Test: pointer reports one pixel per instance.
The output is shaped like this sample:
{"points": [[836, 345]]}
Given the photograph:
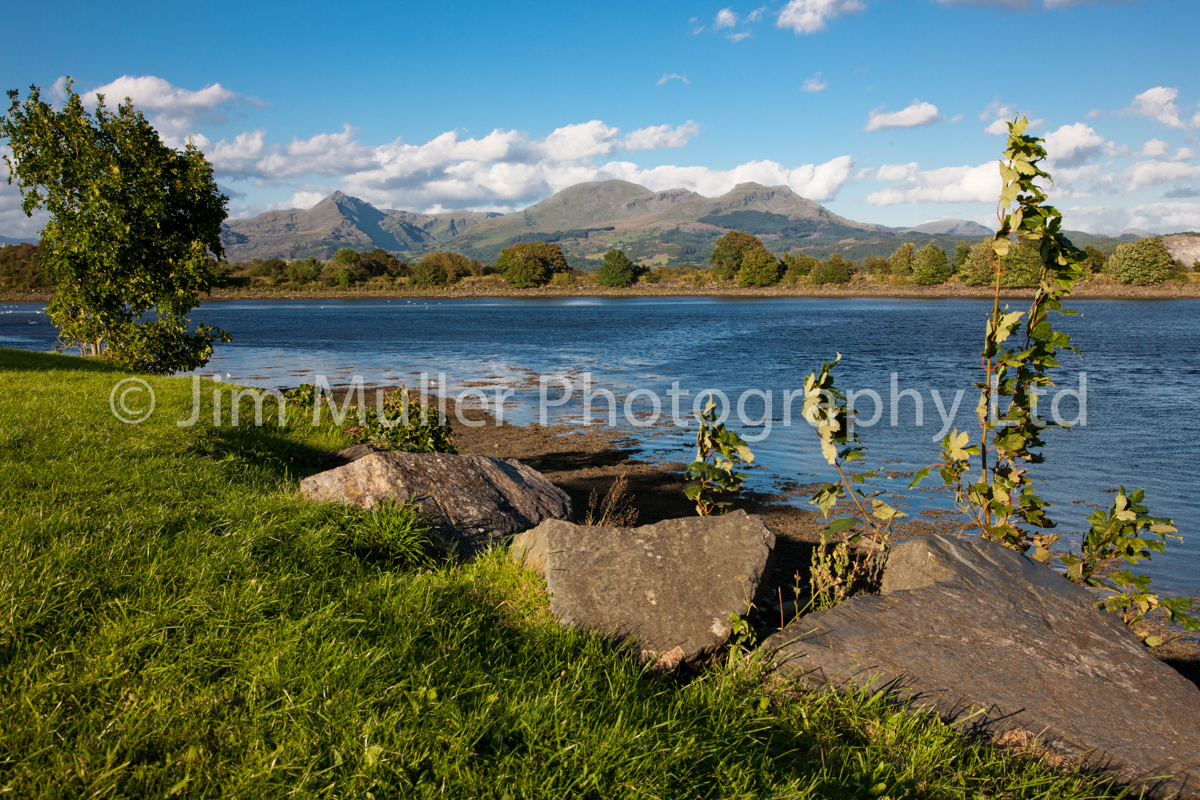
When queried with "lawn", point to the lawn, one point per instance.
{"points": [[176, 621]]}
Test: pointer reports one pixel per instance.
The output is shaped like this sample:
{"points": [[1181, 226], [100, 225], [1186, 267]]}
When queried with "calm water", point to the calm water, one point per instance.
{"points": [[1141, 359]]}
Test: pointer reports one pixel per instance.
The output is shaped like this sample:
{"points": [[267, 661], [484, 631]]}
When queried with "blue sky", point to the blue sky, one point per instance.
{"points": [[877, 108]]}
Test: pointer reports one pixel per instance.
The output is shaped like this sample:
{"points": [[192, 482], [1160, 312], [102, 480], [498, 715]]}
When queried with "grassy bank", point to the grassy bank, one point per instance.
{"points": [[175, 621]]}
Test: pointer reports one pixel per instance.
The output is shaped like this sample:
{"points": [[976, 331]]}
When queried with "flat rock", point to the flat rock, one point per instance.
{"points": [[966, 625], [670, 587], [474, 500]]}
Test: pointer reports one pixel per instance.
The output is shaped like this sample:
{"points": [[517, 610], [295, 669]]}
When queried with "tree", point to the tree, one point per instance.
{"points": [[531, 263], [1021, 266], [1095, 260], [455, 266], [133, 228], [303, 270], [962, 252], [877, 265], [727, 255], [797, 265], [930, 267], [20, 267], [902, 260], [617, 269], [380, 262], [1141, 263], [834, 269], [759, 268]]}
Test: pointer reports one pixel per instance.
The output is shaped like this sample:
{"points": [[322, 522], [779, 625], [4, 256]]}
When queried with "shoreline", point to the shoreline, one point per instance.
{"points": [[582, 461], [862, 289]]}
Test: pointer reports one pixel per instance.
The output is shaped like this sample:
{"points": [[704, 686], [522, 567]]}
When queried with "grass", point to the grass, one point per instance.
{"points": [[176, 621]]}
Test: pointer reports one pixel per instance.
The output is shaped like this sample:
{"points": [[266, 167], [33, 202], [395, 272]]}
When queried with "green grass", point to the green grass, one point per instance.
{"points": [[175, 621]]}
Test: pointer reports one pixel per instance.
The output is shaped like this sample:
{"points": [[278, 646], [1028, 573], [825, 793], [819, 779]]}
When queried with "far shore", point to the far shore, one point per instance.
{"points": [[490, 287]]}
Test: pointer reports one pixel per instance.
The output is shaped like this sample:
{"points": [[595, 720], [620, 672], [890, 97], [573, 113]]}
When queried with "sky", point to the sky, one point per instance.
{"points": [[885, 111]]}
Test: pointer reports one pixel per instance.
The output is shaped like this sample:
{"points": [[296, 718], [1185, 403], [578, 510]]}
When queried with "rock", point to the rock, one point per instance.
{"points": [[474, 500], [670, 587], [966, 624], [350, 454]]}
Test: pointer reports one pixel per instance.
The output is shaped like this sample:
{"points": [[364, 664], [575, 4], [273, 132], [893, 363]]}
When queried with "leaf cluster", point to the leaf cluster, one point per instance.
{"points": [[405, 425], [718, 451]]}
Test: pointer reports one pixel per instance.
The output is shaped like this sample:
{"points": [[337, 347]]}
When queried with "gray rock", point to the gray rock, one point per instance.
{"points": [[966, 626], [670, 587], [474, 500]]}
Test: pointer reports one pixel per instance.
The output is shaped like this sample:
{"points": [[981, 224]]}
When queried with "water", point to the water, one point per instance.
{"points": [[1141, 359]]}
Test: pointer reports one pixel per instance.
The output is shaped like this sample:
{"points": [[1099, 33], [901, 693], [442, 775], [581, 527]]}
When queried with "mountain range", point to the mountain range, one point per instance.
{"points": [[586, 220]]}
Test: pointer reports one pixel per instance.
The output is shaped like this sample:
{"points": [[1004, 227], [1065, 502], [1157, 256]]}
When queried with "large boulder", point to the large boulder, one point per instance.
{"points": [[668, 588], [981, 634], [474, 500]]}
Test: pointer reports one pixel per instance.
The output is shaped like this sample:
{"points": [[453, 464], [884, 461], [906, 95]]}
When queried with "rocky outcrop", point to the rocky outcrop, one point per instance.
{"points": [[974, 630], [668, 589], [1184, 246], [474, 500]]}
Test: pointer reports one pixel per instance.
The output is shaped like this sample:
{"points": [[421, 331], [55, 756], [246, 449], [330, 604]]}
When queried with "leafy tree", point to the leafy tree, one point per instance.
{"points": [[1021, 266], [834, 269], [962, 252], [20, 267], [455, 266], [876, 265], [617, 269], [1141, 263], [380, 262], [1094, 261], [303, 270], [531, 263], [730, 249], [759, 268], [132, 226], [272, 268], [347, 257], [930, 267], [902, 260], [797, 265]]}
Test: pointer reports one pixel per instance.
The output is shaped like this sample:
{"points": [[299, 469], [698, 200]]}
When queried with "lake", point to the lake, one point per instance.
{"points": [[1140, 372]]}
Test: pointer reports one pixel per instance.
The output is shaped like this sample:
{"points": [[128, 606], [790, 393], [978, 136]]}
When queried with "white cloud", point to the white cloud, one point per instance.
{"points": [[671, 76], [911, 184], [175, 112], [1158, 104], [13, 221], [997, 128], [814, 84], [657, 137], [726, 18], [995, 110], [757, 14], [1073, 145], [811, 16], [1158, 217], [1155, 148], [1146, 174], [502, 171], [819, 182], [740, 35], [1030, 5], [581, 140], [917, 115]]}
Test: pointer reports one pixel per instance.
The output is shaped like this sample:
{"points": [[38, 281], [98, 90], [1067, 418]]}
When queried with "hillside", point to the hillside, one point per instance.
{"points": [[586, 220], [341, 221]]}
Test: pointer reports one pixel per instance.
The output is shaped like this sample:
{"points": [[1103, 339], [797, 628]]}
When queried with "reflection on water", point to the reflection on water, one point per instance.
{"points": [[1141, 358]]}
